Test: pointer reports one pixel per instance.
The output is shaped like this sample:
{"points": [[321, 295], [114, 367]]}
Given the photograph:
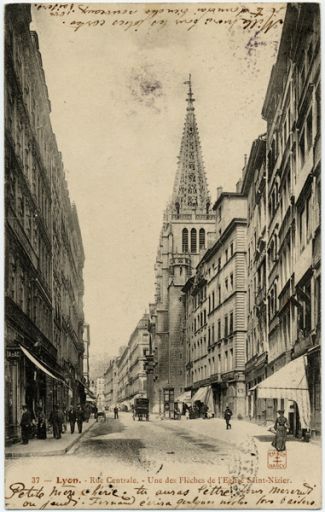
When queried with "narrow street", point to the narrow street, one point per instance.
{"points": [[142, 444], [160, 458]]}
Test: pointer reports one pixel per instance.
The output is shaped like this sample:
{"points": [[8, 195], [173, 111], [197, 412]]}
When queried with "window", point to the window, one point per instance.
{"points": [[212, 334], [193, 240], [213, 300], [219, 294], [302, 228], [202, 238], [231, 323], [226, 326], [231, 249], [302, 147], [309, 129], [226, 361], [185, 240], [219, 264], [219, 213], [226, 283], [231, 281], [308, 218], [219, 329], [226, 254]]}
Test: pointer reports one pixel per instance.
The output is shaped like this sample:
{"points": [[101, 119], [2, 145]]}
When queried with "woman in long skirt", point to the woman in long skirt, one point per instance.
{"points": [[280, 428]]}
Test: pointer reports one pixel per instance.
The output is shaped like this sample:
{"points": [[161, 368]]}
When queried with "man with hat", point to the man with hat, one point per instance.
{"points": [[227, 416], [25, 424]]}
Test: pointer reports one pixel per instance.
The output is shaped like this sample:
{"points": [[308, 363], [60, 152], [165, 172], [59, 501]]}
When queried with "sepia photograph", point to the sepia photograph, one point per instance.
{"points": [[162, 276]]}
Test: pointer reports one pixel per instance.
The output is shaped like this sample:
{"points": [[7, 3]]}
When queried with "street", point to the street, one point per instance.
{"points": [[129, 458], [142, 444]]}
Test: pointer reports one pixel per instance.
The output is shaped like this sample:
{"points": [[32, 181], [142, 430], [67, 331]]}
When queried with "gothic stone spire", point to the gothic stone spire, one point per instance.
{"points": [[190, 188]]}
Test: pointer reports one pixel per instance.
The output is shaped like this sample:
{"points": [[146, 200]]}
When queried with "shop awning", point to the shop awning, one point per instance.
{"points": [[289, 383], [38, 364], [184, 397], [201, 394]]}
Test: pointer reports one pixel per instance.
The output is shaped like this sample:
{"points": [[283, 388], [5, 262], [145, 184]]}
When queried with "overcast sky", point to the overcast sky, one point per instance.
{"points": [[118, 109]]}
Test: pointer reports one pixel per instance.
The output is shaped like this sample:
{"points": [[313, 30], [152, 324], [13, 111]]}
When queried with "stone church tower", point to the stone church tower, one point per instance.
{"points": [[188, 225]]}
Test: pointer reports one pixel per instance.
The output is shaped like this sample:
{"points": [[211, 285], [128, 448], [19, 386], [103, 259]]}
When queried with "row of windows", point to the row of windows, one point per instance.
{"points": [[22, 290], [216, 365], [193, 240]]}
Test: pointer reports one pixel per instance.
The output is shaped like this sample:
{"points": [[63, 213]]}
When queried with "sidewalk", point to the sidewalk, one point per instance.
{"points": [[242, 431], [47, 447]]}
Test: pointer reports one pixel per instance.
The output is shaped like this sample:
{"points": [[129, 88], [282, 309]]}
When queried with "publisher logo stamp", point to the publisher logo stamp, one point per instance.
{"points": [[276, 460]]}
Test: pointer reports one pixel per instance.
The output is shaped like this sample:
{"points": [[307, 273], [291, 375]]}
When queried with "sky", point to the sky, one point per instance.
{"points": [[118, 110]]}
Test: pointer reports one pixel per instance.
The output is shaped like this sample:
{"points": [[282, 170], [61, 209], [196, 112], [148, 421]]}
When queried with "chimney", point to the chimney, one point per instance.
{"points": [[219, 191], [239, 185]]}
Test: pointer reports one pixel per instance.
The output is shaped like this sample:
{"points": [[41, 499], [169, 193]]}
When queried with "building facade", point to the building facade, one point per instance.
{"points": [[86, 340], [282, 186], [255, 189], [292, 112], [216, 326], [187, 227], [100, 393], [43, 255], [132, 374], [111, 383]]}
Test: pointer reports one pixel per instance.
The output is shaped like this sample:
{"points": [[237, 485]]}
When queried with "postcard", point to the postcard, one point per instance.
{"points": [[162, 256]]}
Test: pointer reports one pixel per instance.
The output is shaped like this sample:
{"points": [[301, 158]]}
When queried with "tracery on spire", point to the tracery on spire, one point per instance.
{"points": [[190, 190]]}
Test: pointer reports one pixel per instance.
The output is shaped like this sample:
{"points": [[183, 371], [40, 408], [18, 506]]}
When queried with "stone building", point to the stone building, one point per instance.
{"points": [[187, 226], [292, 187], [132, 375], [215, 299], [255, 188], [111, 383], [43, 254], [86, 340]]}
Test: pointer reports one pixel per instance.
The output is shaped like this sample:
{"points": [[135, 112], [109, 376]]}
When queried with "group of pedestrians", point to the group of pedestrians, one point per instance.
{"points": [[37, 427]]}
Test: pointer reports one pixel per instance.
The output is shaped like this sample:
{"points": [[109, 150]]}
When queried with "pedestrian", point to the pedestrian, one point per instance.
{"points": [[80, 418], [61, 421], [72, 418], [56, 422], [41, 426], [227, 416], [115, 413], [280, 427], [25, 424], [87, 414]]}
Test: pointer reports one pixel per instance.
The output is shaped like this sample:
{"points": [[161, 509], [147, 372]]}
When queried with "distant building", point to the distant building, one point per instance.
{"points": [[111, 383], [131, 366], [86, 340], [100, 393]]}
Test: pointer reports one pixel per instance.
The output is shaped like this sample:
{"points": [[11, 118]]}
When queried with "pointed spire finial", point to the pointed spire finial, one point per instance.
{"points": [[189, 98]]}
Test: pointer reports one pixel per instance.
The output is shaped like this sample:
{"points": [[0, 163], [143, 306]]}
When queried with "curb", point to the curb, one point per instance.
{"points": [[12, 455]]}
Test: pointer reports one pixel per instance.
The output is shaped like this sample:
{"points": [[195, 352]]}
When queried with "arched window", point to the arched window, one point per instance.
{"points": [[193, 240], [185, 240], [202, 238]]}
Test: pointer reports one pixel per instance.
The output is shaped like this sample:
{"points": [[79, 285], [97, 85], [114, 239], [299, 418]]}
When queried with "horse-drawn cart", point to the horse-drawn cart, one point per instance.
{"points": [[141, 409]]}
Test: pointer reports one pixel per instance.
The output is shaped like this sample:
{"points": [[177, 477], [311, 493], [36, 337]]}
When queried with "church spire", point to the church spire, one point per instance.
{"points": [[190, 190]]}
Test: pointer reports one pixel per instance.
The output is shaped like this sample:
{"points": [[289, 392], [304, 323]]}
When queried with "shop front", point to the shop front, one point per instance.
{"points": [[288, 389], [29, 381]]}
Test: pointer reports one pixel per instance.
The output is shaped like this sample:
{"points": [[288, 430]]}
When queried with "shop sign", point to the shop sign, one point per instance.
{"points": [[13, 353]]}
